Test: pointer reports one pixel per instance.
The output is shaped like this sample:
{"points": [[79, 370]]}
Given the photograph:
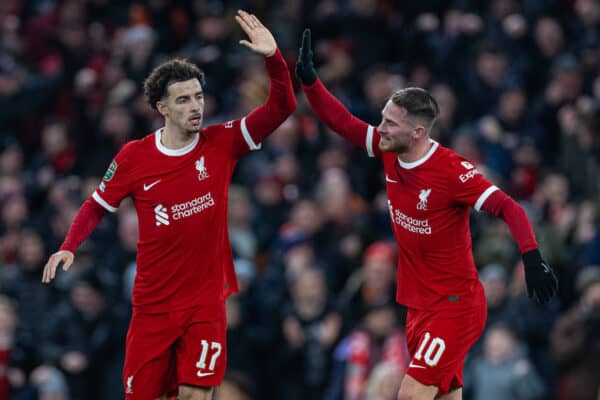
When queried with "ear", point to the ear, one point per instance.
{"points": [[419, 131], [162, 108]]}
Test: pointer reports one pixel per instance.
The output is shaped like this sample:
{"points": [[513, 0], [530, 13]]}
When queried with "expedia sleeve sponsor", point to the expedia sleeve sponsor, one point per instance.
{"points": [[468, 175], [194, 206]]}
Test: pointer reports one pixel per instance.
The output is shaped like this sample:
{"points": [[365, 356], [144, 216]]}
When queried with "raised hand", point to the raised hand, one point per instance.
{"points": [[261, 39], [539, 276], [305, 69], [64, 256]]}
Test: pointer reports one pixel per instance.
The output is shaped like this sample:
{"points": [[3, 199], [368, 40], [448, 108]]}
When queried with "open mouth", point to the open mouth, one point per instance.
{"points": [[196, 120]]}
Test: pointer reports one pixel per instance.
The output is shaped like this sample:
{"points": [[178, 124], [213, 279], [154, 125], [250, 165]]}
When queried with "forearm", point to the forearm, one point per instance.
{"points": [[502, 206], [83, 225], [280, 104], [335, 115]]}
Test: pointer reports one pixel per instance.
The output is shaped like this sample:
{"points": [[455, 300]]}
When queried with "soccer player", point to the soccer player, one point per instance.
{"points": [[430, 191], [178, 178]]}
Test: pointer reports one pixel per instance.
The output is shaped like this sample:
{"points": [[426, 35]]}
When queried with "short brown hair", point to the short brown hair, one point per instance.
{"points": [[176, 70], [418, 104]]}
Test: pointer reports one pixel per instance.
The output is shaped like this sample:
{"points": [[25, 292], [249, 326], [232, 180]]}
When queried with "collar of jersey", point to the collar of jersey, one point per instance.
{"points": [[173, 152], [415, 164]]}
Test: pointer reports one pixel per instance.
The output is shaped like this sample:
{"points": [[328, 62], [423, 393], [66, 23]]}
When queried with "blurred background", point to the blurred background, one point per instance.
{"points": [[518, 83]]}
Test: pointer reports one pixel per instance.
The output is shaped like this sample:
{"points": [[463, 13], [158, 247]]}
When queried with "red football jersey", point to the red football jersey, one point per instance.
{"points": [[184, 257], [429, 202]]}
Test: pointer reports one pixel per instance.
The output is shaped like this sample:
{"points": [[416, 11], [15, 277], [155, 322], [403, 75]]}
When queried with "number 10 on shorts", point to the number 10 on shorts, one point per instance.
{"points": [[215, 349], [435, 349]]}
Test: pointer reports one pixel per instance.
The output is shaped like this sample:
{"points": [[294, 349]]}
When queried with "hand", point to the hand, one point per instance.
{"points": [[261, 40], [305, 69], [539, 276], [63, 256]]}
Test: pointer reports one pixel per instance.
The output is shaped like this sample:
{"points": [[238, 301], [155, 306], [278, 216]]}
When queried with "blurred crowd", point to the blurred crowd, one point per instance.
{"points": [[518, 83]]}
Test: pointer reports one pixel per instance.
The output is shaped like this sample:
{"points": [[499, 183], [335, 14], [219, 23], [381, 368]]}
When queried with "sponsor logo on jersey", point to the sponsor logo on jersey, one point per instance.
{"points": [[413, 365], [203, 374], [228, 124], [467, 165], [194, 206], [110, 172], [390, 180], [423, 195], [201, 168], [102, 187], [469, 175], [148, 187], [183, 210], [414, 225], [160, 213], [129, 388]]}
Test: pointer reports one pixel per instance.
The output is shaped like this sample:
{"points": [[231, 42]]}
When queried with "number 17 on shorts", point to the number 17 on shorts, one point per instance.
{"points": [[210, 352]]}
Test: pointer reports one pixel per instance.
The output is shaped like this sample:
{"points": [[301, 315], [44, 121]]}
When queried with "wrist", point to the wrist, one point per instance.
{"points": [[271, 53], [532, 256]]}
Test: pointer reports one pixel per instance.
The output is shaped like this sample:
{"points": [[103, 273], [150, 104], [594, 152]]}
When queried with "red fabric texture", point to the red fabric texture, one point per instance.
{"points": [[335, 115], [280, 104], [503, 206], [85, 221]]}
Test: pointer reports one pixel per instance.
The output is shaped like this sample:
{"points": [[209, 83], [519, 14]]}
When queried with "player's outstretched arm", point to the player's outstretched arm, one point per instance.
{"points": [[329, 109], [281, 101], [87, 218], [541, 281]]}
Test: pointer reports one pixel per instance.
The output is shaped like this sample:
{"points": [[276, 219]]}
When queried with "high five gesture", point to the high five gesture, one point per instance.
{"points": [[261, 39]]}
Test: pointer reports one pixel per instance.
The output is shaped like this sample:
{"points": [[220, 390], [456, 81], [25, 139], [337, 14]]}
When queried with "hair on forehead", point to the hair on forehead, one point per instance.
{"points": [[417, 102], [167, 73]]}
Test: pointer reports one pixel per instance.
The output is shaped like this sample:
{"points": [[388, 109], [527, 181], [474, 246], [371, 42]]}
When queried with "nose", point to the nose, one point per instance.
{"points": [[197, 104], [380, 128]]}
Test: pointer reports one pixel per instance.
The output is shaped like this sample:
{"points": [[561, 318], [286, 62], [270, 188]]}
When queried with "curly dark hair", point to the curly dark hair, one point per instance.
{"points": [[176, 70]]}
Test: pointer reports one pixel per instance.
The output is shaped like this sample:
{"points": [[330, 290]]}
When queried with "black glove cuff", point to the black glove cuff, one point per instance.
{"points": [[307, 75], [532, 257]]}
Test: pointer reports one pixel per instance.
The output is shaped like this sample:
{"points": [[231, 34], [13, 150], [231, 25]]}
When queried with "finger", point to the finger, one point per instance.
{"points": [[243, 24], [255, 22], [67, 263], [48, 269], [247, 18], [544, 295], [54, 268], [247, 44], [306, 43], [45, 273]]}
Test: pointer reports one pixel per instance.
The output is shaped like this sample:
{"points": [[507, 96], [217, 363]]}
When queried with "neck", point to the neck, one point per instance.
{"points": [[173, 138], [417, 151]]}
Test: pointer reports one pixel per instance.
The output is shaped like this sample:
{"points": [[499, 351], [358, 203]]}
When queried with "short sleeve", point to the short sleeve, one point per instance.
{"points": [[468, 186], [115, 183]]}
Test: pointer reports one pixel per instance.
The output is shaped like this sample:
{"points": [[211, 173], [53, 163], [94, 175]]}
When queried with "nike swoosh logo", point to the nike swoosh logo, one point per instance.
{"points": [[411, 365], [202, 374], [387, 179], [148, 187]]}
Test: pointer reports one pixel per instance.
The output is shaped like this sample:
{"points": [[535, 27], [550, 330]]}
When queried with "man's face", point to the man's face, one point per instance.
{"points": [[184, 104], [396, 131]]}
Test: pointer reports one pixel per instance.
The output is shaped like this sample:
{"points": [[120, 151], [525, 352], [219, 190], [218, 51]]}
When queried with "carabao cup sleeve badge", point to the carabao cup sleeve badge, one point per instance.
{"points": [[110, 172]]}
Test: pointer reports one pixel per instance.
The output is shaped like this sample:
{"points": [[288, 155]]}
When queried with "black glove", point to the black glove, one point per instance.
{"points": [[541, 281], [305, 69]]}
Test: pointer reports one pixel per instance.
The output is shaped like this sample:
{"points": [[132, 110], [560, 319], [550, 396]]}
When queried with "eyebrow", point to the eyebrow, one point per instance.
{"points": [[185, 96]]}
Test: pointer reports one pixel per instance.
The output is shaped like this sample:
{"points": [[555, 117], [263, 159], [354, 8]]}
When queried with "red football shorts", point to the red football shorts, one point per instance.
{"points": [[438, 342], [168, 349]]}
